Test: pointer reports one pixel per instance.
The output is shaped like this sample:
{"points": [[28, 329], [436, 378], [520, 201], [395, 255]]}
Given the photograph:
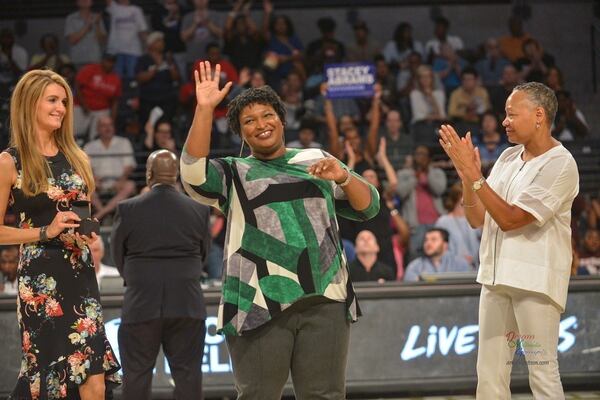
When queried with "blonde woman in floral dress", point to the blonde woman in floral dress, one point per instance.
{"points": [[65, 351]]}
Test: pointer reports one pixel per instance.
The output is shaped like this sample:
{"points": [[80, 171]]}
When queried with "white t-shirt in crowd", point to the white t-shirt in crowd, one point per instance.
{"points": [[126, 23], [108, 163], [434, 44], [536, 257], [87, 50]]}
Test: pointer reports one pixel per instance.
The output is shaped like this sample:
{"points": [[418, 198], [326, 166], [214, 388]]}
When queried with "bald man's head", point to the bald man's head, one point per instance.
{"points": [[161, 167]]}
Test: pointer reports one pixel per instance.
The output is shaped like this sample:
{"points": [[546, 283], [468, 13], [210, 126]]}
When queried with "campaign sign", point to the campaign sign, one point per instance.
{"points": [[350, 80]]}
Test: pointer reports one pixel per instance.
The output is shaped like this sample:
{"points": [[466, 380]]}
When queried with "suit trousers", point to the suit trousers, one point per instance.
{"points": [[522, 323], [182, 340], [312, 343]]}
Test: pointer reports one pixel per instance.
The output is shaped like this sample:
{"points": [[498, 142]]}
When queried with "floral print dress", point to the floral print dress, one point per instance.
{"points": [[58, 305]]}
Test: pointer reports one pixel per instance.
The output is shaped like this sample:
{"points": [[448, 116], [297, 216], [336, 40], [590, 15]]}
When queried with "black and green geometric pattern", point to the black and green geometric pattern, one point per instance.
{"points": [[282, 240]]}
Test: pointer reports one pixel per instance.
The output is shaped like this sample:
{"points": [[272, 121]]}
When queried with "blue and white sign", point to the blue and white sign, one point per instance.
{"points": [[350, 80]]}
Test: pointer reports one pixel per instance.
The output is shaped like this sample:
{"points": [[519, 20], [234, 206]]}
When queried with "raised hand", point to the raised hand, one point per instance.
{"points": [[381, 150], [208, 94]]}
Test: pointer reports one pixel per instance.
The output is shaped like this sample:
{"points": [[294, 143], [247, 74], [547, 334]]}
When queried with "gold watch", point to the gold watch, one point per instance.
{"points": [[478, 184]]}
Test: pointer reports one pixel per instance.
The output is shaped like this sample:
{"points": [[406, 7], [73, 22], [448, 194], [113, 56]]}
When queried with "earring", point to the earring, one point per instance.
{"points": [[537, 125]]}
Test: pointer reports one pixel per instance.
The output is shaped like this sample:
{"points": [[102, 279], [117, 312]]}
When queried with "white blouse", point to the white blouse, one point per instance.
{"points": [[536, 257]]}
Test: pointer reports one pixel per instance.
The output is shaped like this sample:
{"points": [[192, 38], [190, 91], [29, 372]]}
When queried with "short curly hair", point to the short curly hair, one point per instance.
{"points": [[261, 95]]}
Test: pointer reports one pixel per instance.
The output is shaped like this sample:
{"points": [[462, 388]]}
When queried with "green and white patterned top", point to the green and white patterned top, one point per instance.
{"points": [[282, 243]]}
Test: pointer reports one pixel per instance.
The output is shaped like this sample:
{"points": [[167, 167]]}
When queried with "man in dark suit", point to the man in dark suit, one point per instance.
{"points": [[159, 243]]}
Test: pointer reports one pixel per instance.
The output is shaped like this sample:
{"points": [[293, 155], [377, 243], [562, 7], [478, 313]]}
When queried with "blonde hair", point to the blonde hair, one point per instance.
{"points": [[23, 110]]}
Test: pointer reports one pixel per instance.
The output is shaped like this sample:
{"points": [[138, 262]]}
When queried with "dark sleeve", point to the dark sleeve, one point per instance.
{"points": [[386, 272], [118, 239], [206, 243]]}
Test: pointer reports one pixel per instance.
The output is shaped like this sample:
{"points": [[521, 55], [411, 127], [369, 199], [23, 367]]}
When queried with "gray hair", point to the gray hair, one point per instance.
{"points": [[542, 96]]}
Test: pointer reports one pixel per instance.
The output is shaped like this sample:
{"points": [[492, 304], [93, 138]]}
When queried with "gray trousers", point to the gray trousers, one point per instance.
{"points": [[311, 342]]}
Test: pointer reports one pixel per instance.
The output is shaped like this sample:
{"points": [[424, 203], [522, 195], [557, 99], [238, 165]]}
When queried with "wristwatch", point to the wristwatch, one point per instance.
{"points": [[478, 184]]}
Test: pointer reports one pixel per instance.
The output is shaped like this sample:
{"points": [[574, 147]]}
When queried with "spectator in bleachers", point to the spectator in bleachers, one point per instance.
{"points": [[127, 32], [570, 123], [244, 42], [326, 49], [102, 270], [160, 136], [433, 47], [167, 18], [387, 80], [157, 75], [420, 188], [448, 66], [399, 144], [97, 92], [511, 46], [407, 77], [9, 263], [589, 254], [51, 57], [437, 258], [69, 72], [499, 94], [367, 266], [490, 143], [491, 66], [199, 28], [470, 100], [463, 240], [84, 30], [364, 47], [306, 136], [534, 64], [13, 61], [112, 163], [397, 50], [292, 97], [247, 78], [284, 50], [427, 103], [554, 79]]}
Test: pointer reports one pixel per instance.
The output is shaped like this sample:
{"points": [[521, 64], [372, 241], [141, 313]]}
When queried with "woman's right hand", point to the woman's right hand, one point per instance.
{"points": [[208, 94], [62, 220]]}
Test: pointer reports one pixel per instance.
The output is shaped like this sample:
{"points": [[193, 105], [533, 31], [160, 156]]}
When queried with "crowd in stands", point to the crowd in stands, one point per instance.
{"points": [[131, 74]]}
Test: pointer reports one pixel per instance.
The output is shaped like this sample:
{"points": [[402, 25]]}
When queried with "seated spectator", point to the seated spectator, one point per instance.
{"points": [[434, 46], [420, 189], [387, 81], [128, 30], [13, 61], [437, 259], [244, 42], [589, 255], [491, 67], [364, 48], [69, 72], [570, 123], [160, 136], [293, 99], [511, 46], [324, 49], [463, 240], [448, 66], [102, 270], [554, 79], [490, 143], [112, 163], [9, 263], [427, 103], [84, 30], [407, 77], [284, 50], [97, 92], [470, 100], [306, 136], [366, 266], [499, 94], [51, 57], [534, 65], [397, 50], [157, 75], [167, 18], [247, 78]]}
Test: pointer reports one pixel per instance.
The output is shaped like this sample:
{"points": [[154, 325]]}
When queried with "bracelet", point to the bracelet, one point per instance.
{"points": [[468, 205], [394, 212], [44, 234], [347, 180]]}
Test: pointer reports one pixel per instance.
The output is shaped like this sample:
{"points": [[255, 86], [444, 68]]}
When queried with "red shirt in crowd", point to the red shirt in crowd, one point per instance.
{"points": [[98, 88]]}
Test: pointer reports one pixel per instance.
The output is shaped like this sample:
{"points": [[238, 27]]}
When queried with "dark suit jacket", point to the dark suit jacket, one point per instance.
{"points": [[159, 242]]}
